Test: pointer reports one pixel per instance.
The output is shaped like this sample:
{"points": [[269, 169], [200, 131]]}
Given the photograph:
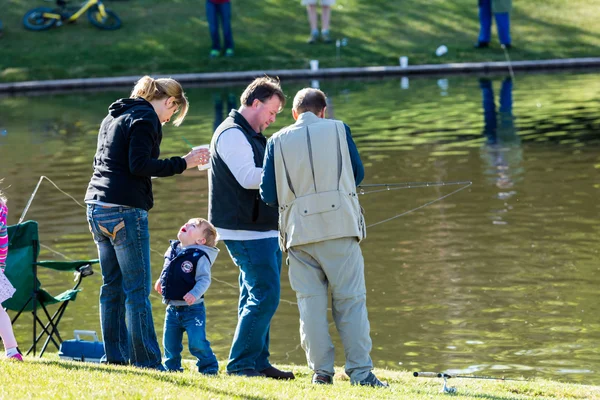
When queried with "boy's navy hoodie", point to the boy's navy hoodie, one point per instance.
{"points": [[202, 271], [127, 156]]}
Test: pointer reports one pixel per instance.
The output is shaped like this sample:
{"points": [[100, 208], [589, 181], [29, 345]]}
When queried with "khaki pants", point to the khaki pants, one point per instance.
{"points": [[336, 264]]}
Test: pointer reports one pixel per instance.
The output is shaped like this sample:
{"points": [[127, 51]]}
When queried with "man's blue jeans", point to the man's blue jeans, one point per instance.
{"points": [[190, 319], [485, 23], [123, 240], [214, 12], [260, 270]]}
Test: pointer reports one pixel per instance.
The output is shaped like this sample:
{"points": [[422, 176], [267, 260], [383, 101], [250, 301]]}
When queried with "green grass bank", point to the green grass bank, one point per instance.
{"points": [[52, 378], [161, 37]]}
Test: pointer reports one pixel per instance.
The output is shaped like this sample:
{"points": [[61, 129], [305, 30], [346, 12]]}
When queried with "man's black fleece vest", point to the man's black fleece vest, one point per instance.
{"points": [[230, 206], [179, 274]]}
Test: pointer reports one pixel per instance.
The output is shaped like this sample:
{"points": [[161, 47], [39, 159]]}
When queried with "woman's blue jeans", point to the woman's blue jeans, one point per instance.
{"points": [[259, 262], [214, 12], [190, 319], [123, 240]]}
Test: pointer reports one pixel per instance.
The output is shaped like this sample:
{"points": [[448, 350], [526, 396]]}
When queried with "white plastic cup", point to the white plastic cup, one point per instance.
{"points": [[440, 51], [403, 61], [404, 83], [314, 65], [206, 166]]}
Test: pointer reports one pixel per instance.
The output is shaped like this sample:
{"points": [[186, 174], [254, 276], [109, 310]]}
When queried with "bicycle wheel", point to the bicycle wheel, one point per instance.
{"points": [[34, 19], [110, 21]]}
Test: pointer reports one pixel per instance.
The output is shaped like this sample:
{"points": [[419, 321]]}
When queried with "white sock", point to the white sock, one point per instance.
{"points": [[11, 352]]}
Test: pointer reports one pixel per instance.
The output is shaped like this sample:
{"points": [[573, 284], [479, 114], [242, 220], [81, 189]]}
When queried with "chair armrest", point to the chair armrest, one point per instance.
{"points": [[66, 265]]}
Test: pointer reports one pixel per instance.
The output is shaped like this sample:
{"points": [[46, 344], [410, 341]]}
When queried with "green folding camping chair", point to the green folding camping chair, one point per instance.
{"points": [[21, 269]]}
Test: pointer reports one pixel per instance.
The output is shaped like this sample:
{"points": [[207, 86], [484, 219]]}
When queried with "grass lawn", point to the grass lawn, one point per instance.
{"points": [[168, 37], [51, 378]]}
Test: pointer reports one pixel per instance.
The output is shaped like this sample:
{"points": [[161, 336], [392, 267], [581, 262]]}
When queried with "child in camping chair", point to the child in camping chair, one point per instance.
{"points": [[6, 288], [183, 281]]}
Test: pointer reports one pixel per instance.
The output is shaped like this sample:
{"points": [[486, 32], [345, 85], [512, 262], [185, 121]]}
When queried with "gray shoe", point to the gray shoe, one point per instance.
{"points": [[371, 380], [322, 379]]}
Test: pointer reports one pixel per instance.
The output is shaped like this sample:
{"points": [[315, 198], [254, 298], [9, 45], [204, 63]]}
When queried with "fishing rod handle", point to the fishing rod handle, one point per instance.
{"points": [[427, 374]]}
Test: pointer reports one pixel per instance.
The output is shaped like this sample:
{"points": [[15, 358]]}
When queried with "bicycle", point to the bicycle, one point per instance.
{"points": [[42, 18]]}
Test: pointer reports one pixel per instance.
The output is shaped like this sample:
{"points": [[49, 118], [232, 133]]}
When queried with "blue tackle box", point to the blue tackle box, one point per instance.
{"points": [[82, 350]]}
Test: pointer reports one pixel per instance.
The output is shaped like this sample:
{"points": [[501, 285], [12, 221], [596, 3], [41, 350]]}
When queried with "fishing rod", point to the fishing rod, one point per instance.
{"points": [[445, 376]]}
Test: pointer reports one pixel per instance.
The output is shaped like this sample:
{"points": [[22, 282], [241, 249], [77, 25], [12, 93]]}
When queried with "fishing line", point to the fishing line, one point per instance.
{"points": [[407, 185], [422, 184], [35, 191], [56, 252], [512, 75]]}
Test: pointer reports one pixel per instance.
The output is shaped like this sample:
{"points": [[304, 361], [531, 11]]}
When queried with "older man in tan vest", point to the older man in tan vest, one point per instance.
{"points": [[311, 171]]}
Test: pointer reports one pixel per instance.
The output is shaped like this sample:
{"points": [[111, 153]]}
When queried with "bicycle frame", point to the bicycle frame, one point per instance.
{"points": [[79, 13]]}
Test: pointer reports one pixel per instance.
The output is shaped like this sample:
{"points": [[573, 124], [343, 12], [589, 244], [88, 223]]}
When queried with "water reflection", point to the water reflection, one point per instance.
{"points": [[502, 151], [219, 99]]}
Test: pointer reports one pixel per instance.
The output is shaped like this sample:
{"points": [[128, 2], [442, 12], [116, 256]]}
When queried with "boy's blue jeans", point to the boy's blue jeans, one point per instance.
{"points": [[260, 270], [190, 319], [123, 240], [213, 13]]}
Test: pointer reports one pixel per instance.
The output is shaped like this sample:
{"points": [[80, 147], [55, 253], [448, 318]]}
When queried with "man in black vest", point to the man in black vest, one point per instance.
{"points": [[247, 226]]}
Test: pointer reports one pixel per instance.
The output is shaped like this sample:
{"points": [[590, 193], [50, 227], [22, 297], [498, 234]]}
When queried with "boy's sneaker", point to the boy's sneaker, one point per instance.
{"points": [[229, 53], [322, 379], [16, 357], [371, 380], [314, 36], [325, 37], [214, 53]]}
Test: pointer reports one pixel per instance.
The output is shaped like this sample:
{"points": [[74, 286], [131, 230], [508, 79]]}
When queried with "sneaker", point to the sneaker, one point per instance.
{"points": [[481, 45], [248, 373], [371, 380], [322, 379], [16, 357], [214, 53], [229, 53], [325, 37], [314, 36], [275, 373]]}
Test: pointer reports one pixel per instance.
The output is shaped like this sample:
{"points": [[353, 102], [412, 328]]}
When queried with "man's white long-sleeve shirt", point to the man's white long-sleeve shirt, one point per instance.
{"points": [[236, 152]]}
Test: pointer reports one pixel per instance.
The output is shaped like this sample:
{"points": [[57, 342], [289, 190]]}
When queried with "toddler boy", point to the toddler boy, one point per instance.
{"points": [[183, 281]]}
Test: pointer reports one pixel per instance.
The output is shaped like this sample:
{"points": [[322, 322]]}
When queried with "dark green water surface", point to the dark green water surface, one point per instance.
{"points": [[499, 279]]}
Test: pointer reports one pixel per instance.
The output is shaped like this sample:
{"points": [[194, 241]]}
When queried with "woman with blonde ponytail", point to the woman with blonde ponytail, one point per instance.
{"points": [[118, 199]]}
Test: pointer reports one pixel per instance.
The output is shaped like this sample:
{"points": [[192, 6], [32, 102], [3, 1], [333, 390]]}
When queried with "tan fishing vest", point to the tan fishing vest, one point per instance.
{"points": [[316, 190]]}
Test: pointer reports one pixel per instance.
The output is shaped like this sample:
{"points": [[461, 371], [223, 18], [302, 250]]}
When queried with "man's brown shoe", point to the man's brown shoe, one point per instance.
{"points": [[275, 373]]}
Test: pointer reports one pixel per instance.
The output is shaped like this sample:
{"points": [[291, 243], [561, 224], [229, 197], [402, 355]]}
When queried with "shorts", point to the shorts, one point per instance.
{"points": [[313, 2]]}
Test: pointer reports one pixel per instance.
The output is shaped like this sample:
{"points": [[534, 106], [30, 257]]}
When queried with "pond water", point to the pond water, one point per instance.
{"points": [[499, 279]]}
